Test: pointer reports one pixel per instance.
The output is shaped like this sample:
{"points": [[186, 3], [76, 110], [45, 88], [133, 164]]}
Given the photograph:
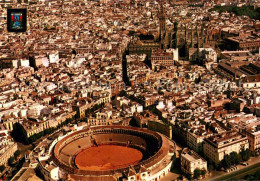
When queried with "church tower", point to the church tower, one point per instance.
{"points": [[162, 23]]}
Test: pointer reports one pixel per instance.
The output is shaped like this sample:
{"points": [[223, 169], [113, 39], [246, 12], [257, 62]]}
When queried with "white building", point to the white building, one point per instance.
{"points": [[175, 53], [191, 161], [24, 63], [15, 63], [216, 147], [54, 57]]}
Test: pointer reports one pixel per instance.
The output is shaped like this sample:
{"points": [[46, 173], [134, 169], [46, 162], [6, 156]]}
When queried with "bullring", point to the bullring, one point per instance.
{"points": [[111, 153]]}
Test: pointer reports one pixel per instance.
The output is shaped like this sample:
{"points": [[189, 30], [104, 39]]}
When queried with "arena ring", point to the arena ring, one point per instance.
{"points": [[113, 152]]}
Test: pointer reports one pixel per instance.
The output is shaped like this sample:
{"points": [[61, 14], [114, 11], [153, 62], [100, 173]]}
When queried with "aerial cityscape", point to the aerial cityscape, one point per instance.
{"points": [[129, 90]]}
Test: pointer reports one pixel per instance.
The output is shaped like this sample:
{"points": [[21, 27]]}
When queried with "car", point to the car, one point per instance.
{"points": [[244, 163], [227, 170], [233, 168]]}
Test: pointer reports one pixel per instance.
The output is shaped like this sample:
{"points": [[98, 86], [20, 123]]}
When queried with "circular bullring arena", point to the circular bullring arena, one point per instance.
{"points": [[107, 157], [109, 152]]}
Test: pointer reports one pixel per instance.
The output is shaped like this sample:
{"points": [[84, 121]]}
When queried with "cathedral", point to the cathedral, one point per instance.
{"points": [[182, 35]]}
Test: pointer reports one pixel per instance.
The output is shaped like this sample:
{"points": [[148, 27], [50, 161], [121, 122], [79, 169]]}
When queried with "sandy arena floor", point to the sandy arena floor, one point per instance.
{"points": [[106, 157]]}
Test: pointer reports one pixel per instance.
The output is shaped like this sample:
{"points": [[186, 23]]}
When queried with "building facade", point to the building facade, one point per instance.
{"points": [[253, 135], [217, 146], [191, 161], [162, 58], [7, 152]]}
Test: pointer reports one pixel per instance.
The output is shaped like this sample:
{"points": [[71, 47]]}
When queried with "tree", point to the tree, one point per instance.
{"points": [[197, 173], [48, 131], [245, 154], [189, 176], [19, 134], [16, 153], [234, 158], [10, 160], [33, 138], [40, 134], [226, 162], [2, 168], [239, 159], [203, 172], [211, 166], [69, 120]]}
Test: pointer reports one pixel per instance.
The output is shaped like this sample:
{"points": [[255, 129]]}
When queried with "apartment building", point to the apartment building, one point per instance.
{"points": [[191, 161], [217, 146]]}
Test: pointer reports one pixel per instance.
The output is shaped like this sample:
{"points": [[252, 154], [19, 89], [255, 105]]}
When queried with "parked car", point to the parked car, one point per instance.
{"points": [[244, 163], [232, 168], [227, 170]]}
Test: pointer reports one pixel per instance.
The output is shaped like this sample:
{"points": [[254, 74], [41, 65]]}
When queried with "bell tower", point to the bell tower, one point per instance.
{"points": [[162, 22]]}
